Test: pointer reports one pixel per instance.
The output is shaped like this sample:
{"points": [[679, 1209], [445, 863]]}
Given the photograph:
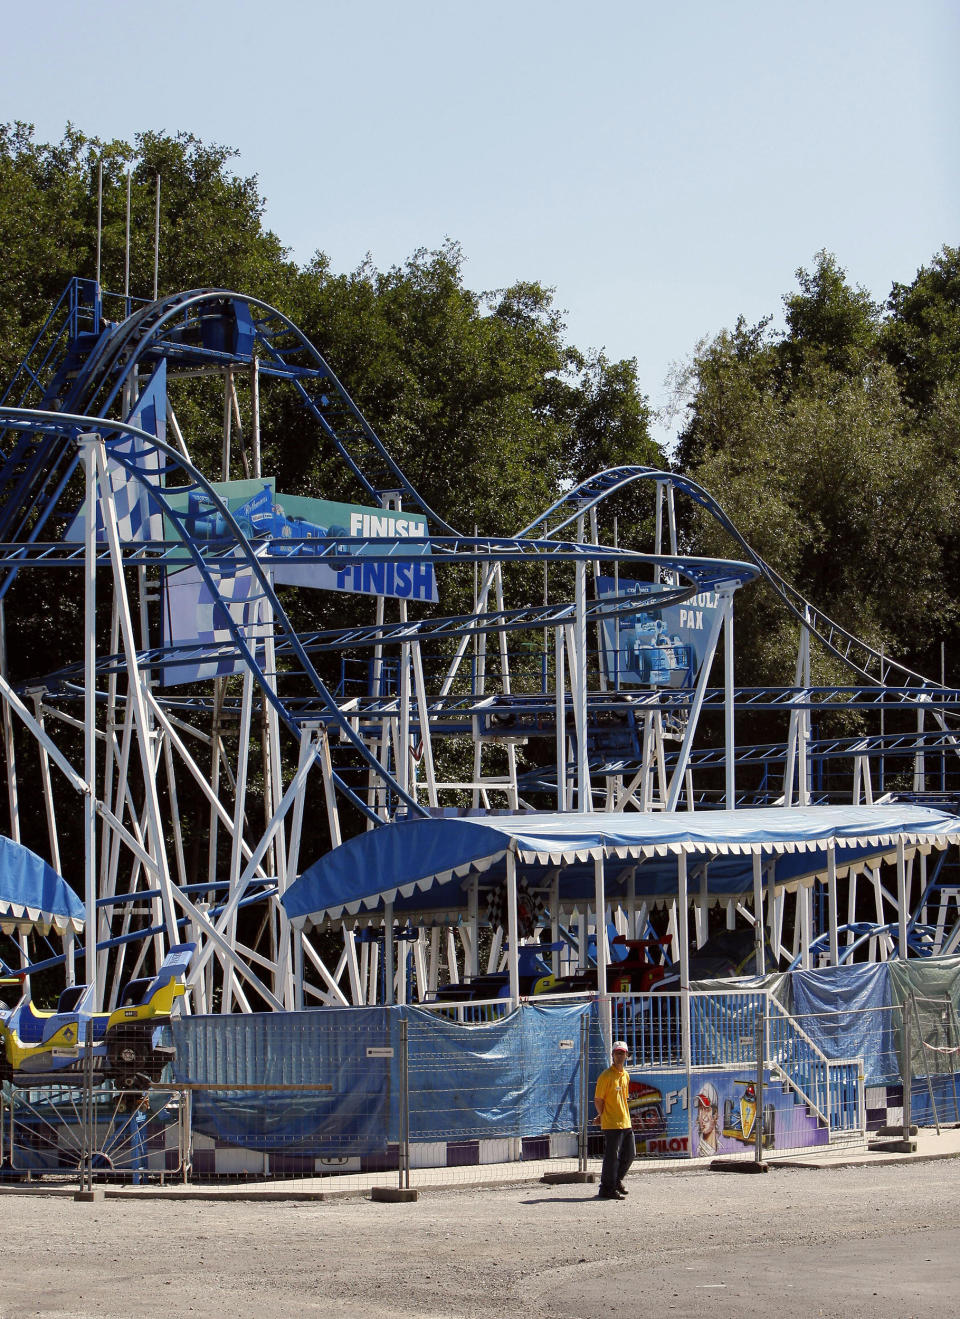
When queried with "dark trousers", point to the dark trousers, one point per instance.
{"points": [[619, 1151]]}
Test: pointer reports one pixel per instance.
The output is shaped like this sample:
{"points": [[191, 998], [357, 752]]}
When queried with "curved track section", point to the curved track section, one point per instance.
{"points": [[868, 663]]}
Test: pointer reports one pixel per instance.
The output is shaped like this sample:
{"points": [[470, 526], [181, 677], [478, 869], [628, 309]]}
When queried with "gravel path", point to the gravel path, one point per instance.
{"points": [[849, 1242]]}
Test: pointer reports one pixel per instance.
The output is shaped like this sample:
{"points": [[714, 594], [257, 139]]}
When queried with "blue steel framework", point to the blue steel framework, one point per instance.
{"points": [[367, 752]]}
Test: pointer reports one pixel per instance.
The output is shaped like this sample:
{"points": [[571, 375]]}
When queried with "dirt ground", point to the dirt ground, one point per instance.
{"points": [[851, 1242]]}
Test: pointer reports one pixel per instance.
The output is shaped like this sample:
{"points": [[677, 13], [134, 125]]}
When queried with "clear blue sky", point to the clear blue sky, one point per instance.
{"points": [[664, 167]]}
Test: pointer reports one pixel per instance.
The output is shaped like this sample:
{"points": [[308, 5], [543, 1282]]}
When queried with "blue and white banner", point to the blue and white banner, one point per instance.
{"points": [[139, 517], [309, 525], [655, 647], [193, 614]]}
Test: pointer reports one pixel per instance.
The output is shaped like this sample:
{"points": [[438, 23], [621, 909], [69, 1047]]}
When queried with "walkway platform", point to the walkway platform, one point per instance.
{"points": [[930, 1146]]}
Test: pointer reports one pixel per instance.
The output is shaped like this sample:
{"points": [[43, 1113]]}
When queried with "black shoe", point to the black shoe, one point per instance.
{"points": [[609, 1195], [621, 1189]]}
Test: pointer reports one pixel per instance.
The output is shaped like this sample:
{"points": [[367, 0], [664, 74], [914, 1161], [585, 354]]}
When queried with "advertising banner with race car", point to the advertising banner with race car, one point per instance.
{"points": [[658, 1113], [194, 612], [724, 1115], [309, 525], [408, 579], [655, 647]]}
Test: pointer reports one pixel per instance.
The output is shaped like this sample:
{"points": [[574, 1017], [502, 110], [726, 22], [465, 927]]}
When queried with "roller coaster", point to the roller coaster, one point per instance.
{"points": [[194, 690]]}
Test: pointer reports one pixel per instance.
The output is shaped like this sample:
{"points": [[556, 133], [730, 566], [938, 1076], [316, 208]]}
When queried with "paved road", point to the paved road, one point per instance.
{"points": [[862, 1241]]}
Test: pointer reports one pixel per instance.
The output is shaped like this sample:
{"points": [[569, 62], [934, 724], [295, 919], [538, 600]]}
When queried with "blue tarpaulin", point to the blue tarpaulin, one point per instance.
{"points": [[845, 1010], [519, 1076], [338, 1076], [332, 1096]]}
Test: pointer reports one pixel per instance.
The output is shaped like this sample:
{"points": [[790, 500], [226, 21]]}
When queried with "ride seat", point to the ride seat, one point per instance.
{"points": [[70, 997], [29, 1026], [134, 993]]}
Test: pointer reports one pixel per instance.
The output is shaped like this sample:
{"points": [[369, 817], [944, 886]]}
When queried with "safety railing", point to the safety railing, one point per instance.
{"points": [[101, 1134], [651, 1026], [723, 1026], [468, 1012], [831, 1087]]}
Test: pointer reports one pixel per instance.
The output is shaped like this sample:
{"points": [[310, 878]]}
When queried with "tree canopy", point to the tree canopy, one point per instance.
{"points": [[479, 395], [833, 445], [833, 441]]}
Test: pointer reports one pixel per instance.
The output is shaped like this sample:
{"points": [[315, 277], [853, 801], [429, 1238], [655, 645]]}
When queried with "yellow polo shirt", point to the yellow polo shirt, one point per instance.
{"points": [[613, 1088]]}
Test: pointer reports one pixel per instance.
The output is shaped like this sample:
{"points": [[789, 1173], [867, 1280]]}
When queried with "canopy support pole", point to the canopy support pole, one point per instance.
{"points": [[683, 939], [832, 902], [560, 682], [760, 943], [513, 953], [600, 907], [388, 961], [901, 900]]}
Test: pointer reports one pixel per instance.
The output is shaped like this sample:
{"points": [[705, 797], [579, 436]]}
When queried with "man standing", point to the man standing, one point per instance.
{"points": [[613, 1114]]}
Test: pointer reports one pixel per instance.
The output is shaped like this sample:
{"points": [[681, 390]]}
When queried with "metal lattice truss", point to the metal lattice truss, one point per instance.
{"points": [[200, 764]]}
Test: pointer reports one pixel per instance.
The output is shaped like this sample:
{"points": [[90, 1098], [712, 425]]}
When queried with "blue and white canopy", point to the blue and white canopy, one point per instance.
{"points": [[33, 896], [426, 867]]}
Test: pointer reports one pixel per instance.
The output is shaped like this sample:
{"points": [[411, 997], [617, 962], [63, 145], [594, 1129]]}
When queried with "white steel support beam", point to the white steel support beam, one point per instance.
{"points": [[255, 413], [584, 793], [243, 744], [511, 750], [136, 686], [404, 776], [774, 909], [9, 749], [421, 977], [196, 772], [227, 414], [805, 768], [88, 451], [423, 713], [728, 705], [832, 902], [471, 962], [560, 697], [353, 968], [336, 994], [48, 802], [603, 952], [693, 717]]}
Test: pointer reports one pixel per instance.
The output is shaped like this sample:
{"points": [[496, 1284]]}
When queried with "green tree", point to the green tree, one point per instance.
{"points": [[811, 444], [921, 336], [828, 322]]}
